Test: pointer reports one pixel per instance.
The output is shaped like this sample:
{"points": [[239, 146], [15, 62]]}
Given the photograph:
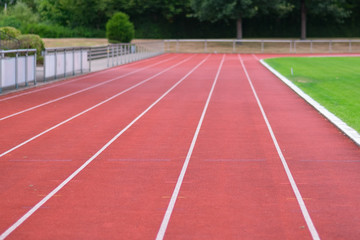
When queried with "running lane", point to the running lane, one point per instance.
{"points": [[235, 186], [17, 101], [324, 162], [19, 128], [124, 192], [30, 172]]}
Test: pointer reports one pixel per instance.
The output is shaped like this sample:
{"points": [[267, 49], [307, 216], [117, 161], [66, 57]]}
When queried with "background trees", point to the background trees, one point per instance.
{"points": [[336, 9], [236, 10], [187, 18]]}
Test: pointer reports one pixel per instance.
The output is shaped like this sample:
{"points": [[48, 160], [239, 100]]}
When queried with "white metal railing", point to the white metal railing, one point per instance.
{"points": [[17, 68], [64, 62], [122, 53], [261, 46]]}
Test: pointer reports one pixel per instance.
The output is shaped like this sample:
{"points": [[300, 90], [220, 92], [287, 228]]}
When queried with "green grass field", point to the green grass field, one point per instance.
{"points": [[334, 82]]}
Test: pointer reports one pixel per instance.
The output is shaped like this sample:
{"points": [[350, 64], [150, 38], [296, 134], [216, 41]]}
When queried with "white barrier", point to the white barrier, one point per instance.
{"points": [[62, 62], [17, 68]]}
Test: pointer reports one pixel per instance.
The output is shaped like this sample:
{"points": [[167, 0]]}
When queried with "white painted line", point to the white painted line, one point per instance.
{"points": [[255, 57], [349, 131], [76, 78], [85, 89], [93, 107], [175, 194], [298, 196], [67, 180]]}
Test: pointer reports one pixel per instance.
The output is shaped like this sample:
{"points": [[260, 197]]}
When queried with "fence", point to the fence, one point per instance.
{"points": [[17, 68], [122, 53], [63, 62], [261, 46]]}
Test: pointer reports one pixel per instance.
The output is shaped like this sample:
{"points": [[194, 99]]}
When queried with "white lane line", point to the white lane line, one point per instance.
{"points": [[76, 79], [85, 89], [340, 124], [93, 107], [255, 57], [298, 196], [179, 182], [67, 180]]}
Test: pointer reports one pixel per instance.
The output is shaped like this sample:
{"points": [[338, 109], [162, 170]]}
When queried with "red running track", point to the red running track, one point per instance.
{"points": [[174, 147]]}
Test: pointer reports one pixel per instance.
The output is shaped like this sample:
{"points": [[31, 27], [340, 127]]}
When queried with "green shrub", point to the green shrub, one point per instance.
{"points": [[10, 31], [119, 28], [28, 41]]}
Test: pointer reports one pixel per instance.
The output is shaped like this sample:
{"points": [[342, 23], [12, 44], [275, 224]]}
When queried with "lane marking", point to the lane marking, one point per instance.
{"points": [[255, 57], [93, 107], [74, 174], [168, 197], [294, 187], [83, 90], [76, 79], [292, 198], [175, 194]]}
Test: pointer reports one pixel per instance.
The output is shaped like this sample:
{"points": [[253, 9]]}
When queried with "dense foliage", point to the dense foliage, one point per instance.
{"points": [[186, 18]]}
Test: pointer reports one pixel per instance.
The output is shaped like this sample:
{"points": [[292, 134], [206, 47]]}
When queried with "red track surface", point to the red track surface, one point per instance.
{"points": [[234, 187]]}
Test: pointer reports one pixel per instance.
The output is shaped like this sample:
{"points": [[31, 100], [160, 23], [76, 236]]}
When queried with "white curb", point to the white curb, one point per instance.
{"points": [[349, 131]]}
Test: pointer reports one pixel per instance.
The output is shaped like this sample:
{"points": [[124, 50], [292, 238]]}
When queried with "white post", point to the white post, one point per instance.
{"points": [[1, 60], [35, 55], [55, 66], [16, 69], [44, 65], [81, 60], [73, 53], [64, 62], [350, 50], [90, 59], [108, 50], [26, 68]]}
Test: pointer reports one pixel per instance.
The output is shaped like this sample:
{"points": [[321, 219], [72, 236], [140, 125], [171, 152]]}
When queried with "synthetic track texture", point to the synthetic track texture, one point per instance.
{"points": [[235, 186]]}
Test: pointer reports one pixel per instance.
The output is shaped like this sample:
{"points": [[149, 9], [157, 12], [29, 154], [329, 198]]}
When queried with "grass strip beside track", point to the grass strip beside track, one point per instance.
{"points": [[334, 82]]}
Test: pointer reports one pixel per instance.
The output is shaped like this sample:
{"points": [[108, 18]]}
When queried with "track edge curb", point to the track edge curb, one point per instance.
{"points": [[346, 129]]}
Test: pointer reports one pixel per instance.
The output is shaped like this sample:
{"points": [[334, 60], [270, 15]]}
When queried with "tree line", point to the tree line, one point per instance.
{"points": [[187, 18]]}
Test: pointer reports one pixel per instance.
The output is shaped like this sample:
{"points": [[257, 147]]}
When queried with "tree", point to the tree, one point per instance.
{"points": [[215, 10], [165, 8], [337, 9], [74, 13], [119, 28]]}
